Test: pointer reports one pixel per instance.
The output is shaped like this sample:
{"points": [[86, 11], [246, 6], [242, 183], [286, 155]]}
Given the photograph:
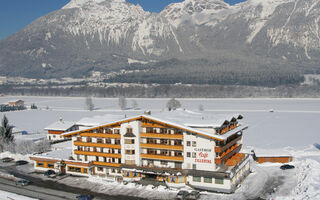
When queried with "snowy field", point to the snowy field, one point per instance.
{"points": [[292, 124], [292, 128]]}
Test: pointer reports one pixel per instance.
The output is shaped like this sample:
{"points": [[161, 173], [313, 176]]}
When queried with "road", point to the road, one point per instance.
{"points": [[48, 189]]}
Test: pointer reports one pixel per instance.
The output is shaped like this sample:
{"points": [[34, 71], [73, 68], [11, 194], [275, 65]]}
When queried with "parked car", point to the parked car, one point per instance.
{"points": [[7, 159], [286, 166], [21, 162], [22, 182], [182, 194], [193, 195], [50, 173], [85, 197]]}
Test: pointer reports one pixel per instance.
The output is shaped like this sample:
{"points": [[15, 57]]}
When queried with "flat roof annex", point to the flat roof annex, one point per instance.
{"points": [[166, 123]]}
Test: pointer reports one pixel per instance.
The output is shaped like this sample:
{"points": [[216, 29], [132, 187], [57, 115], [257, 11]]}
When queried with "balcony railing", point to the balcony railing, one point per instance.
{"points": [[162, 146], [95, 153], [89, 144], [162, 135], [228, 154], [101, 135], [152, 168], [106, 164], [162, 157], [220, 149]]}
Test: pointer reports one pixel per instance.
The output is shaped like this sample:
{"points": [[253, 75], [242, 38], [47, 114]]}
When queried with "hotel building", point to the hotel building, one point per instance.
{"points": [[180, 148]]}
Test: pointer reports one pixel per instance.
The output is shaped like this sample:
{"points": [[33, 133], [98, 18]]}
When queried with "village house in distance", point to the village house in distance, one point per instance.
{"points": [[56, 129], [180, 148]]}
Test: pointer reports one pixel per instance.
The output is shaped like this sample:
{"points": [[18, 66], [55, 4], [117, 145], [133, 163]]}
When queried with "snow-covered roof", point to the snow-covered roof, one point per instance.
{"points": [[62, 145], [181, 119], [62, 154], [195, 119], [60, 125], [271, 153], [98, 120]]}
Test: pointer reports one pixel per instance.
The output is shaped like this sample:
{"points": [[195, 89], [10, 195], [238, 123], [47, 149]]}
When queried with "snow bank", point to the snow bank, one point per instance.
{"points": [[308, 182], [7, 195], [15, 156]]}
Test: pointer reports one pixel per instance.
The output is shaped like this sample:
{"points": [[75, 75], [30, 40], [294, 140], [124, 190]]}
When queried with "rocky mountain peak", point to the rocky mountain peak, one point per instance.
{"points": [[81, 3], [193, 10]]}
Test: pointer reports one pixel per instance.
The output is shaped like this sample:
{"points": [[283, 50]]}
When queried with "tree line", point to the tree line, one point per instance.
{"points": [[168, 91]]}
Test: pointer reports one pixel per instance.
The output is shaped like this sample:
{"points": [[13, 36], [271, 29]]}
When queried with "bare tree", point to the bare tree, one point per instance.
{"points": [[134, 104], [122, 103], [173, 104], [89, 104], [201, 107]]}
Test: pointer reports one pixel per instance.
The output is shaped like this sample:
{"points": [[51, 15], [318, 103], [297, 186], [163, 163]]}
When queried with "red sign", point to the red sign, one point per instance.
{"points": [[203, 157]]}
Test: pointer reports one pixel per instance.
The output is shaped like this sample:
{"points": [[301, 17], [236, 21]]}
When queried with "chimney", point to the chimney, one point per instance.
{"points": [[147, 112]]}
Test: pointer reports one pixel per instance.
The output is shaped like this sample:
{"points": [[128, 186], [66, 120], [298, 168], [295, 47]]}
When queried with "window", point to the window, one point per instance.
{"points": [[196, 179], [100, 169], [188, 143], [50, 165], [194, 154], [99, 140], [207, 180], [39, 164], [219, 181], [129, 130], [194, 143], [117, 141], [116, 131], [164, 163], [194, 166], [188, 154], [89, 139], [85, 171], [127, 141]]}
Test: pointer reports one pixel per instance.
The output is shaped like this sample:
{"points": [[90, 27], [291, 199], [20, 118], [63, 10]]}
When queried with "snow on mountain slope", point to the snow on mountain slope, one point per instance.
{"points": [[259, 17], [197, 11], [87, 33], [111, 20]]}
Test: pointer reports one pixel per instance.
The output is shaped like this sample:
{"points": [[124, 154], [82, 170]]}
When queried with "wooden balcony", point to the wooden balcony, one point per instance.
{"points": [[162, 157], [220, 149], [235, 159], [88, 144], [153, 168], [106, 164], [152, 125], [91, 153], [228, 154], [161, 135], [101, 135], [162, 146]]}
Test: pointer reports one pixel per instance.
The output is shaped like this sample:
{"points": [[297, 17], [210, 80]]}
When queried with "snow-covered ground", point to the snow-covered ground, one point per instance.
{"points": [[291, 128], [292, 124], [11, 196]]}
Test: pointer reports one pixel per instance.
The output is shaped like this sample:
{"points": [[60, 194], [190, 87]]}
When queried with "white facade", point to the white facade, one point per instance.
{"points": [[198, 152]]}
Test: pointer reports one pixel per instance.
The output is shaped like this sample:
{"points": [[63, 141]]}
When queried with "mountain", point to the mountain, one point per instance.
{"points": [[110, 35]]}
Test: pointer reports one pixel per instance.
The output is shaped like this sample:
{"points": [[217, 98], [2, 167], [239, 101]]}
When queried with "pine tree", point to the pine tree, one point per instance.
{"points": [[6, 136]]}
